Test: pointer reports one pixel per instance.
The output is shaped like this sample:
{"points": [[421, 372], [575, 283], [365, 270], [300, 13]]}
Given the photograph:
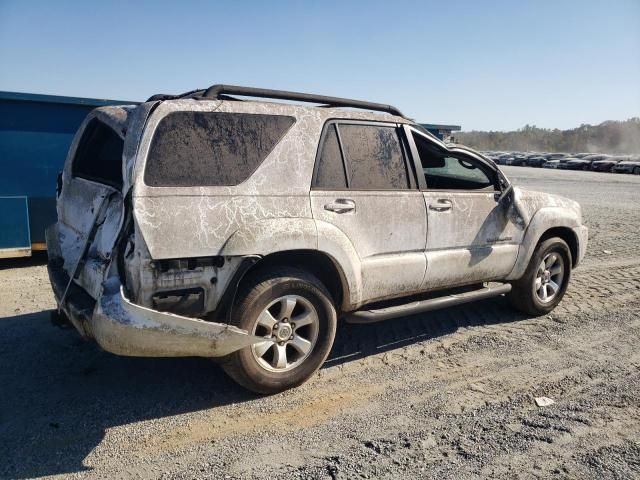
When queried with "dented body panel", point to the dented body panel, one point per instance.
{"points": [[155, 268]]}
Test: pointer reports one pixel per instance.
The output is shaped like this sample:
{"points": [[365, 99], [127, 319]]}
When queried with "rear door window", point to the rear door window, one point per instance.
{"points": [[211, 148], [374, 157], [99, 155]]}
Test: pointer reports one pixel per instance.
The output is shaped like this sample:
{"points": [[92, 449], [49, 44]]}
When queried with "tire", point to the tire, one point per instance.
{"points": [[525, 294], [286, 294], [636, 171]]}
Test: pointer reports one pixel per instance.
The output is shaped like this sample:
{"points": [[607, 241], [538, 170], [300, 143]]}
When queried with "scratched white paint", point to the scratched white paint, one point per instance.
{"points": [[413, 249]]}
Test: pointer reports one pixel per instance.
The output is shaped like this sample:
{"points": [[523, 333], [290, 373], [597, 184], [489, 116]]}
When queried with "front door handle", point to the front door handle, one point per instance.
{"points": [[441, 205], [341, 205]]}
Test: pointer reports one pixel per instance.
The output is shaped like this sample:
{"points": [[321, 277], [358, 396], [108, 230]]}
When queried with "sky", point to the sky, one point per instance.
{"points": [[485, 65]]}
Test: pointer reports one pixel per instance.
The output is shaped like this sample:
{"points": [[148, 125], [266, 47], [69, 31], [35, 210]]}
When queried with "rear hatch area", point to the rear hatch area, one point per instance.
{"points": [[90, 200], [88, 249]]}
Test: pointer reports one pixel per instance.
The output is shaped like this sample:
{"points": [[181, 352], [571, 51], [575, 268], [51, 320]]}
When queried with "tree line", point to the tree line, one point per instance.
{"points": [[608, 137]]}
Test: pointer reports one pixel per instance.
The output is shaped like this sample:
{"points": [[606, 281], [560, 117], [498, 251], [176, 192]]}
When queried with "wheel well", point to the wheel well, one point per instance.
{"points": [[568, 236], [317, 263]]}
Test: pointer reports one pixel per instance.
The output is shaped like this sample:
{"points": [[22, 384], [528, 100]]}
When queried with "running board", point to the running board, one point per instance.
{"points": [[372, 316]]}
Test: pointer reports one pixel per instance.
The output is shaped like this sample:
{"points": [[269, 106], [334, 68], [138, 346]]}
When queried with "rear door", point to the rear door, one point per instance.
{"points": [[470, 237], [363, 186]]}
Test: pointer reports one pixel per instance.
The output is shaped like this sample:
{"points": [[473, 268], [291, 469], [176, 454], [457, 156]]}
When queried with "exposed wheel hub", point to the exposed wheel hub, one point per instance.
{"points": [[283, 332]]}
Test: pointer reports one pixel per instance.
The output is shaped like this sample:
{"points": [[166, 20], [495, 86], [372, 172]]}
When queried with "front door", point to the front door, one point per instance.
{"points": [[363, 191], [470, 237]]}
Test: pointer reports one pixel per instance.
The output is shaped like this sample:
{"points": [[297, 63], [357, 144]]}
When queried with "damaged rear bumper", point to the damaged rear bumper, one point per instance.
{"points": [[124, 328]]}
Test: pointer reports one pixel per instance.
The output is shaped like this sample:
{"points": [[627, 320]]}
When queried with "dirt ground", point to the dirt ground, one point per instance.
{"points": [[448, 394]]}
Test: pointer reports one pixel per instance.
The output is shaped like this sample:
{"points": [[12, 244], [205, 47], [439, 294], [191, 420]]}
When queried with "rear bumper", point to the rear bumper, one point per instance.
{"points": [[119, 326]]}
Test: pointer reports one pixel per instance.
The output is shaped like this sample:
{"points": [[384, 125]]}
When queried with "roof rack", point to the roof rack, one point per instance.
{"points": [[220, 91]]}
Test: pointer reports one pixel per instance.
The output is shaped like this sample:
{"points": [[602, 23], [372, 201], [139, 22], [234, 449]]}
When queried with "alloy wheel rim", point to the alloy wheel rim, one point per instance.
{"points": [[549, 277], [289, 326]]}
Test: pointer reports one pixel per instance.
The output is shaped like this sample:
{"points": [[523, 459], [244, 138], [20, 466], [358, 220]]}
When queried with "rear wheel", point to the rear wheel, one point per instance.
{"points": [[292, 310], [545, 281], [636, 171]]}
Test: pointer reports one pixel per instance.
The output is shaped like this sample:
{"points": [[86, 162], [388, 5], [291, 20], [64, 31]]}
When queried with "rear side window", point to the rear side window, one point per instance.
{"points": [[99, 155], [211, 148], [374, 157], [330, 174]]}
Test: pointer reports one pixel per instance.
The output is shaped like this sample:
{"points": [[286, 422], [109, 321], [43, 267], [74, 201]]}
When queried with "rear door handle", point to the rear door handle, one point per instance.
{"points": [[341, 205], [441, 205]]}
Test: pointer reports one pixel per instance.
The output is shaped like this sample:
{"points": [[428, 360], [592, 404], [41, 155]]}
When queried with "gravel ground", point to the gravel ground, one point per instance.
{"points": [[448, 394]]}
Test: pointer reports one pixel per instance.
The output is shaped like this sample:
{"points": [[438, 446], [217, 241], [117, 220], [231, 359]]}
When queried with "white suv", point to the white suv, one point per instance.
{"points": [[205, 225]]}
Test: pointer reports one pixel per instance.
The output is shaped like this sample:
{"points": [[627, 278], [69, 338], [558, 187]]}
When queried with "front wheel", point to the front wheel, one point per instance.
{"points": [[292, 310], [636, 171], [545, 281]]}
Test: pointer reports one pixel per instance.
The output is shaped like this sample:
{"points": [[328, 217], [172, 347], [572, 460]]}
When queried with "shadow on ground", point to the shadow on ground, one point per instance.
{"points": [[36, 258], [61, 394]]}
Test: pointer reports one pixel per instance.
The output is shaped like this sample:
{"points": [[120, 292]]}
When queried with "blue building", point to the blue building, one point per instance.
{"points": [[35, 134]]}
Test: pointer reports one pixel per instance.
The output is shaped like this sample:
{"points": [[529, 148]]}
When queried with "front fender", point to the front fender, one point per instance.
{"points": [[543, 220]]}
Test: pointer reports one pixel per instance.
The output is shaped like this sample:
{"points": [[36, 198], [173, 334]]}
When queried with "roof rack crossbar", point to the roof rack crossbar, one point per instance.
{"points": [[215, 91]]}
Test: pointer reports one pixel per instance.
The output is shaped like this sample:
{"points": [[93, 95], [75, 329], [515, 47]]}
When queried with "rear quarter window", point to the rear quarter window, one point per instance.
{"points": [[330, 172], [211, 148]]}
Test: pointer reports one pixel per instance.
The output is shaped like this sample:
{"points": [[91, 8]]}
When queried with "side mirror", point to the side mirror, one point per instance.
{"points": [[505, 196]]}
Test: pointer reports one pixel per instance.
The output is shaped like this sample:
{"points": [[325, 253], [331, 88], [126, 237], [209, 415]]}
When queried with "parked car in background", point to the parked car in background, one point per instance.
{"points": [[578, 164], [536, 161], [598, 162], [562, 162], [607, 164], [519, 161], [595, 157], [551, 164], [628, 166], [555, 156], [503, 159]]}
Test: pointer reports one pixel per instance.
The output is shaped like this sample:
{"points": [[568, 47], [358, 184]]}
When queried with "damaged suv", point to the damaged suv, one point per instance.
{"points": [[208, 225]]}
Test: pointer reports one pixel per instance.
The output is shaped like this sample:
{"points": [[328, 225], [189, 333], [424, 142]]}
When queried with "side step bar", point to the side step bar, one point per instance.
{"points": [[372, 316]]}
